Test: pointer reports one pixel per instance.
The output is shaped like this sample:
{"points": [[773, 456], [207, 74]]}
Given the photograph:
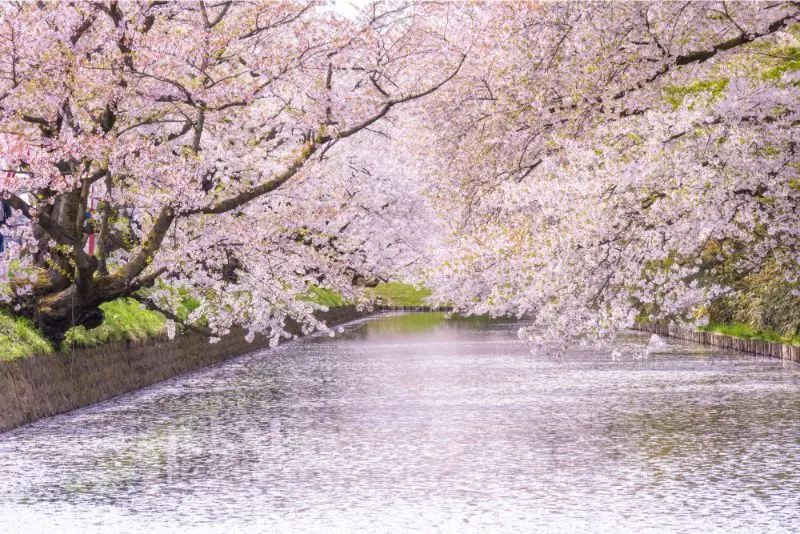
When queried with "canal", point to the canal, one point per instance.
{"points": [[419, 423]]}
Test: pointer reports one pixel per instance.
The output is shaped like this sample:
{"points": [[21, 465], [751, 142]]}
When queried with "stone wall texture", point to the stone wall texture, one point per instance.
{"points": [[43, 386], [764, 348]]}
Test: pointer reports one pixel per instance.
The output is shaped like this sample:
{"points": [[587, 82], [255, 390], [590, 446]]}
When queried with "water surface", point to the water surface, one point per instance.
{"points": [[417, 423]]}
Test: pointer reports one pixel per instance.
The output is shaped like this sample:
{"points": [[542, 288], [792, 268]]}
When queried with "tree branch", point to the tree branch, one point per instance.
{"points": [[310, 149], [149, 248]]}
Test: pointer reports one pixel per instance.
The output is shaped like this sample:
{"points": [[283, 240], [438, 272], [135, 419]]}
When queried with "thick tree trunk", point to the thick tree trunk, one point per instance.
{"points": [[55, 321], [79, 304], [71, 284]]}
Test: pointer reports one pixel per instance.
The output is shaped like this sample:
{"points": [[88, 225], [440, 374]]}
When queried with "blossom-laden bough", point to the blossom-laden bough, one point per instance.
{"points": [[204, 147], [596, 164], [616, 162]]}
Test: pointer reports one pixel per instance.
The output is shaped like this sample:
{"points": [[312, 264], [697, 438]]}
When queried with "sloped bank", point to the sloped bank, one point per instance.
{"points": [[754, 346], [46, 385]]}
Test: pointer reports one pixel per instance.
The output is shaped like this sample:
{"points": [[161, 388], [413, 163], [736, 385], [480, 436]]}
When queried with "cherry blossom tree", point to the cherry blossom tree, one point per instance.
{"points": [[605, 160], [203, 147], [594, 164]]}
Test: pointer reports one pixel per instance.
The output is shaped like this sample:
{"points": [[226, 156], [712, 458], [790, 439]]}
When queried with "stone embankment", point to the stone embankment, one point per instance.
{"points": [[42, 386], [754, 346]]}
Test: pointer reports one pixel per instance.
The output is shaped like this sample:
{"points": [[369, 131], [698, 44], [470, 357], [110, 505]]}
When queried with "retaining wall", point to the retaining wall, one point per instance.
{"points": [[42, 386], [764, 348], [386, 307]]}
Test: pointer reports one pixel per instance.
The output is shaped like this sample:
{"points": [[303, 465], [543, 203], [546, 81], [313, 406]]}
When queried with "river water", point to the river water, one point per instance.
{"points": [[414, 423]]}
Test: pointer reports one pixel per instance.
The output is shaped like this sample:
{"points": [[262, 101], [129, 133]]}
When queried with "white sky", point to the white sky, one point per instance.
{"points": [[348, 7]]}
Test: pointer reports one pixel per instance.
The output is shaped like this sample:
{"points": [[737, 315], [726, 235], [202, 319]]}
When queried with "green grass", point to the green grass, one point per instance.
{"points": [[745, 331], [125, 320], [388, 293], [19, 339], [325, 297], [397, 294], [407, 323]]}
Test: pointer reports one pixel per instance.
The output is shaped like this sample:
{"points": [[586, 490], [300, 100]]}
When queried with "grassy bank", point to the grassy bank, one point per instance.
{"points": [[394, 294], [126, 320], [19, 338], [745, 331], [326, 297], [400, 295]]}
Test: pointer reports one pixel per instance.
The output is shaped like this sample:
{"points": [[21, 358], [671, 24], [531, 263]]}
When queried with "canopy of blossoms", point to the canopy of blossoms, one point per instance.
{"points": [[587, 165]]}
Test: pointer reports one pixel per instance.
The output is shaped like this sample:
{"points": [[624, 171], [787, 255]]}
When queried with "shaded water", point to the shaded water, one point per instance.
{"points": [[411, 423]]}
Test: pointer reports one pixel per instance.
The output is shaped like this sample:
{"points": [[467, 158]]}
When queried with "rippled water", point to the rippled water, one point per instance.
{"points": [[415, 423]]}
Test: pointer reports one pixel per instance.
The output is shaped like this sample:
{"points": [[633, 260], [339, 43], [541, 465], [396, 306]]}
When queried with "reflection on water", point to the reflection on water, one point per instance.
{"points": [[417, 422]]}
